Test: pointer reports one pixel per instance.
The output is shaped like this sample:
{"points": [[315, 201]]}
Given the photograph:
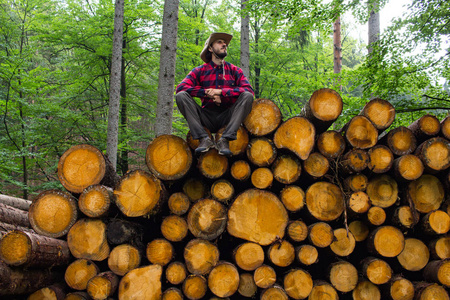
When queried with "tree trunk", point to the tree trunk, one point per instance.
{"points": [[166, 80], [245, 41], [112, 139], [374, 24]]}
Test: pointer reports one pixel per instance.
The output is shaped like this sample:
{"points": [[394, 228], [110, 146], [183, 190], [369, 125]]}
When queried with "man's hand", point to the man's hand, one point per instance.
{"points": [[217, 100], [212, 93]]}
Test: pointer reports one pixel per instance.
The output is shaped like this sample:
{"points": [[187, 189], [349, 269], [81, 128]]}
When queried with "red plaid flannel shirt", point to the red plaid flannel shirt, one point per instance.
{"points": [[232, 82]]}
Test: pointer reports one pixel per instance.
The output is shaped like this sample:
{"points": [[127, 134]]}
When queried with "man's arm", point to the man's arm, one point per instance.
{"points": [[191, 84], [242, 85]]}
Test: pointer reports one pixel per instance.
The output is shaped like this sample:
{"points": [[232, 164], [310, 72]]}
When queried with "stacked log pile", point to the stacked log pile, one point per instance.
{"points": [[298, 212]]}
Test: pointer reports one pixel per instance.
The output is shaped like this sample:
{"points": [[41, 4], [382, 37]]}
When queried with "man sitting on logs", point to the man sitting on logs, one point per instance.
{"points": [[225, 92]]}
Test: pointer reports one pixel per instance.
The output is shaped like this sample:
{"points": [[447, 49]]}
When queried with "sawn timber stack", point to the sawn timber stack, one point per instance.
{"points": [[301, 210]]}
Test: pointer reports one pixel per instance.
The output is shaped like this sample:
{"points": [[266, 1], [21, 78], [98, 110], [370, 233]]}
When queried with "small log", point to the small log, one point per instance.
{"points": [[160, 252], [5, 227], [239, 145], [212, 165], [141, 283], [264, 117], [376, 270], [380, 112], [400, 140], [434, 154], [344, 242], [274, 292], [223, 280], [366, 290], [261, 151], [323, 108], [52, 292], [172, 293], [15, 202], [121, 231], [440, 247], [331, 144], [407, 168], [425, 193], [264, 276], [381, 159], [200, 256], [179, 203], [262, 178], [359, 230], [194, 188], [281, 253], [53, 213], [194, 287], [286, 169], [401, 288], [445, 127], [85, 165], [248, 256], [307, 254], [176, 272], [293, 197], [343, 276], [322, 288], [22, 248], [124, 258], [325, 201], [139, 193], [103, 285], [356, 182], [14, 216], [222, 190], [257, 216], [438, 271], [320, 234], [174, 228], [297, 231], [298, 284], [207, 219], [87, 239], [240, 170], [354, 161], [382, 191], [247, 287], [79, 272], [414, 256], [360, 133], [95, 201], [425, 127], [436, 222], [359, 202], [316, 165], [430, 291], [18, 281], [376, 215], [168, 157], [296, 134], [387, 241]]}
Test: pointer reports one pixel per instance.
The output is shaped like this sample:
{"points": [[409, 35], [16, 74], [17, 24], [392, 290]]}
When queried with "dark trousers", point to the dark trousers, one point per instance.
{"points": [[214, 118]]}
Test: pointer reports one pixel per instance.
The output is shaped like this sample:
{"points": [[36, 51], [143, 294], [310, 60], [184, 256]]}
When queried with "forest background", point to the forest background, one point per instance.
{"points": [[55, 68]]}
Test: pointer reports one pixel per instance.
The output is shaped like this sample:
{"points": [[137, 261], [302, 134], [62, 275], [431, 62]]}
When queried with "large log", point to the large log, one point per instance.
{"points": [[87, 239], [14, 216], [264, 117], [141, 283], [22, 248], [85, 165], [325, 201], [296, 134]]}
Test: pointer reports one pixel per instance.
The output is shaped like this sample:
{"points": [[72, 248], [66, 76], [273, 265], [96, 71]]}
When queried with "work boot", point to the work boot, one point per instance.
{"points": [[222, 147], [204, 146]]}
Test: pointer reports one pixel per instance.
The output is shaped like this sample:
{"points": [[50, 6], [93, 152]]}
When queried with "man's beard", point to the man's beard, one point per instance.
{"points": [[220, 55]]}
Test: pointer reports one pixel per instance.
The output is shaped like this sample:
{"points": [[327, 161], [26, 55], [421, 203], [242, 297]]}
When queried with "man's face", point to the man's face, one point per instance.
{"points": [[219, 47]]}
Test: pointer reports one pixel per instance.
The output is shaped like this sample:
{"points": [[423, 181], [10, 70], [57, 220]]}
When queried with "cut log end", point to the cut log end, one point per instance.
{"points": [[264, 117], [296, 134]]}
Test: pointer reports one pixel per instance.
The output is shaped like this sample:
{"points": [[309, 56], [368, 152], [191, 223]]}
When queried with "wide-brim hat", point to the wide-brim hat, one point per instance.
{"points": [[212, 38]]}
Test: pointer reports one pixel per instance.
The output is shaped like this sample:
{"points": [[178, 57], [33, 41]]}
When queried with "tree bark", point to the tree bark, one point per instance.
{"points": [[166, 80]]}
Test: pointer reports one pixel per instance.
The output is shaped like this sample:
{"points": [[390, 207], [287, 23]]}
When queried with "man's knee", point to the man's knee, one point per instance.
{"points": [[181, 97], [247, 99]]}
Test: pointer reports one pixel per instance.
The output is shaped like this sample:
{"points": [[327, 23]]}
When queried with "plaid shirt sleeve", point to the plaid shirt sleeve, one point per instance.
{"points": [[191, 84], [241, 84]]}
